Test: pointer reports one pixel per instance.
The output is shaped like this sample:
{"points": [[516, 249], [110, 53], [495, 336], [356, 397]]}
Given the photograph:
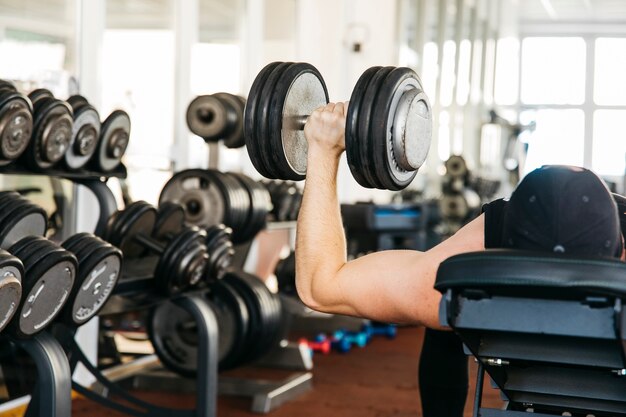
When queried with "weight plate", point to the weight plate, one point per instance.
{"points": [[16, 127], [114, 136], [263, 118], [392, 146], [24, 220], [52, 133], [77, 101], [251, 133], [237, 204], [98, 273], [48, 277], [173, 332], [233, 129], [207, 117], [85, 136], [354, 142], [261, 204], [196, 190], [365, 126], [137, 218], [456, 166], [40, 93], [183, 262], [11, 273], [220, 250], [236, 139], [7, 85], [298, 92], [170, 220], [286, 275]]}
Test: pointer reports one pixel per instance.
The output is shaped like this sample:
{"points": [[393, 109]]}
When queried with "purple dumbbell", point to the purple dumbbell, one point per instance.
{"points": [[388, 330]]}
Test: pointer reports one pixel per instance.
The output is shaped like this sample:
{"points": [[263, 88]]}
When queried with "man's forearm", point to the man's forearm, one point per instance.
{"points": [[320, 240]]}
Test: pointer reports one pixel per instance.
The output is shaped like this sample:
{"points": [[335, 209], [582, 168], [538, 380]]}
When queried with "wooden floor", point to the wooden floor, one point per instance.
{"points": [[375, 381]]}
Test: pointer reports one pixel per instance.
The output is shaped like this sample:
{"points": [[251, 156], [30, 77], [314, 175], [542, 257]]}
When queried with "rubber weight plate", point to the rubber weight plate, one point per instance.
{"points": [[183, 262], [237, 139], [401, 129], [174, 333], [137, 218], [49, 273], [196, 190], [299, 90], [16, 126], [208, 117], [19, 219], [114, 136], [354, 142], [52, 132], [11, 273], [237, 204], [85, 135], [98, 273], [250, 131], [220, 249], [170, 220], [260, 205]]}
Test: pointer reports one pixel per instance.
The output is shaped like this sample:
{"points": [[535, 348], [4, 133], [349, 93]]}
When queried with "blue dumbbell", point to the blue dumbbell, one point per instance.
{"points": [[343, 340], [388, 330]]}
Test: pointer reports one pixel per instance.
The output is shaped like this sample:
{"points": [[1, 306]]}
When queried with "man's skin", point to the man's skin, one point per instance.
{"points": [[390, 286]]}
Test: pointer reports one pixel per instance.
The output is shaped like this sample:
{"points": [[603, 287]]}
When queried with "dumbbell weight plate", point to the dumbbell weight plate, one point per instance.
{"points": [[233, 129], [174, 334], [196, 190], [299, 90], [36, 95], [170, 220], [49, 273], [98, 273], [11, 273], [251, 133], [262, 118], [207, 117], [138, 217], [365, 121], [21, 219], [237, 139], [114, 136], [85, 136], [183, 262], [400, 130], [456, 166], [52, 132], [16, 125], [76, 101], [354, 143]]}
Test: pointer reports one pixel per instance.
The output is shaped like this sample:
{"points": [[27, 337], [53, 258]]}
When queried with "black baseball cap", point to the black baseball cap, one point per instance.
{"points": [[563, 209]]}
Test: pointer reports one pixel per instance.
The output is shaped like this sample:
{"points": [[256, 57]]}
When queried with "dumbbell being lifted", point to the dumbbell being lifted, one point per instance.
{"points": [[388, 123]]}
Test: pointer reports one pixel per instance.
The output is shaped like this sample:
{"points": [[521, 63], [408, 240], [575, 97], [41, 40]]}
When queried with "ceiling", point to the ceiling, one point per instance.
{"points": [[572, 10]]}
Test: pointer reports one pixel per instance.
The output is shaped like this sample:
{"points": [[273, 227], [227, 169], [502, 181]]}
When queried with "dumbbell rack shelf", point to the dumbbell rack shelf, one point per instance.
{"points": [[14, 169]]}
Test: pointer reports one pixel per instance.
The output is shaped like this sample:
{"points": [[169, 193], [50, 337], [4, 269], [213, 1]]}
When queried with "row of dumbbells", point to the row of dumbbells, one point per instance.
{"points": [[44, 132], [180, 257], [343, 340], [42, 281]]}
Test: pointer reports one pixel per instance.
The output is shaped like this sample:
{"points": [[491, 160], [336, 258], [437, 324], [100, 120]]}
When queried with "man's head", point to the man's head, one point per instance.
{"points": [[565, 210]]}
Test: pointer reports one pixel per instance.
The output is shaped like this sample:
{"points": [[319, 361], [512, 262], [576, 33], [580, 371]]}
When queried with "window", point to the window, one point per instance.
{"points": [[609, 142], [610, 67]]}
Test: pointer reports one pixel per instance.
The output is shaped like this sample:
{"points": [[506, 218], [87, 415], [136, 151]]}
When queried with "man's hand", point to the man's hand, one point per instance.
{"points": [[325, 129]]}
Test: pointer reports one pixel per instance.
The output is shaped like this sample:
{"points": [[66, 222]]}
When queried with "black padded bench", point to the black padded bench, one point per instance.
{"points": [[550, 331]]}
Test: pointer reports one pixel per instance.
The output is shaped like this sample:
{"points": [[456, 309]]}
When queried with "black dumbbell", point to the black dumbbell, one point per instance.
{"points": [[218, 117], [16, 123], [19, 218], [286, 274], [114, 137], [171, 221], [85, 133], [182, 260], [52, 130], [49, 272], [388, 123], [99, 267]]}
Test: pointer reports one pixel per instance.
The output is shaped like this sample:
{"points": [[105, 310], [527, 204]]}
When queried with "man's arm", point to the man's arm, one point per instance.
{"points": [[393, 286]]}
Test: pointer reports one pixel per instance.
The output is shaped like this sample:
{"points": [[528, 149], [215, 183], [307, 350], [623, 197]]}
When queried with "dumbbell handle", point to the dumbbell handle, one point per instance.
{"points": [[149, 243], [295, 122]]}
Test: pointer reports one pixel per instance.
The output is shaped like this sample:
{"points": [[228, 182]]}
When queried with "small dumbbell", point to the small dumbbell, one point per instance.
{"points": [[52, 130], [85, 133], [387, 330], [343, 340], [171, 220], [99, 267], [322, 346], [182, 260], [16, 122]]}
